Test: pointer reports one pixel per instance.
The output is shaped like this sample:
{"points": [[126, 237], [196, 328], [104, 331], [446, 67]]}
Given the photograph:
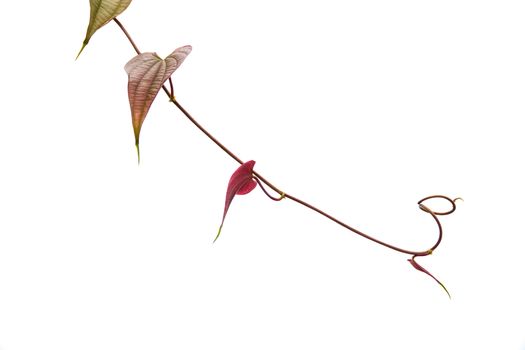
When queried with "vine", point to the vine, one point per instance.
{"points": [[148, 73]]}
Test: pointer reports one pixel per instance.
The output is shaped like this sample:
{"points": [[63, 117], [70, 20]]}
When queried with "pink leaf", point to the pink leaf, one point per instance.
{"points": [[147, 73], [422, 269], [241, 182]]}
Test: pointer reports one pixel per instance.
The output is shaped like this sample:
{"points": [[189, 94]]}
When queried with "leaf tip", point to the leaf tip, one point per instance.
{"points": [[446, 290], [81, 49], [138, 151], [218, 234]]}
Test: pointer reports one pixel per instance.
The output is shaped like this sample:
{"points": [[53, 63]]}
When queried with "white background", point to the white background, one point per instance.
{"points": [[360, 107]]}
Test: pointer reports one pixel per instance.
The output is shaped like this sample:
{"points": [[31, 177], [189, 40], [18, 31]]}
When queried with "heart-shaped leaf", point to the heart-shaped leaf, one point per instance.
{"points": [[422, 269], [241, 182], [147, 73], [102, 11]]}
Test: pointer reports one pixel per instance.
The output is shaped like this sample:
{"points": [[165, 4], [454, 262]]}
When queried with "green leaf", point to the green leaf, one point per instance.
{"points": [[102, 12], [147, 73]]}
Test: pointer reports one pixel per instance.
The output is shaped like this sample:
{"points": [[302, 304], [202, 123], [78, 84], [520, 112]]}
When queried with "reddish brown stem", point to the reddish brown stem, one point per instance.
{"points": [[127, 35], [282, 194], [172, 93], [281, 197]]}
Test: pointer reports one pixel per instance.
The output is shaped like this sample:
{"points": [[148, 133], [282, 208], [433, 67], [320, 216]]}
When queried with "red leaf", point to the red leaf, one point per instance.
{"points": [[147, 73], [241, 182], [422, 269]]}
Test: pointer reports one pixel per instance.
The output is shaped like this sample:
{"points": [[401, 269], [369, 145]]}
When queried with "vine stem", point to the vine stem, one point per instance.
{"points": [[283, 195], [127, 35]]}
